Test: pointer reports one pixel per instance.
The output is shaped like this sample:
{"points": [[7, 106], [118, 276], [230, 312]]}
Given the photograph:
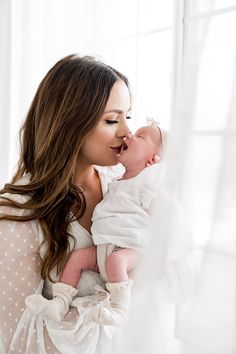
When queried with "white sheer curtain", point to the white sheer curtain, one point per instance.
{"points": [[200, 168], [205, 113], [5, 33]]}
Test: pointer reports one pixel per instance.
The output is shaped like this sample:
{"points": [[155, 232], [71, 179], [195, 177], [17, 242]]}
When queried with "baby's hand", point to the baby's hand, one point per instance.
{"points": [[156, 158]]}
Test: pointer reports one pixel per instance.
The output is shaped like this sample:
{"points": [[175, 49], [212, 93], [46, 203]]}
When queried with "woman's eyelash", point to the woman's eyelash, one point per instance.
{"points": [[111, 121], [108, 121]]}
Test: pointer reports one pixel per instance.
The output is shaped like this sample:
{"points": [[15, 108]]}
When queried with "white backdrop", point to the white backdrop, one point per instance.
{"points": [[201, 169]]}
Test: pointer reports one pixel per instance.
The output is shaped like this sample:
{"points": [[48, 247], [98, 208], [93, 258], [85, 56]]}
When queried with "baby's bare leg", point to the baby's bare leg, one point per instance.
{"points": [[80, 259], [64, 291], [119, 263]]}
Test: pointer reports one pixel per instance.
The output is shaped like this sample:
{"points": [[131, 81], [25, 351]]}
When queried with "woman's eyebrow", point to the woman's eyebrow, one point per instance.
{"points": [[116, 111]]}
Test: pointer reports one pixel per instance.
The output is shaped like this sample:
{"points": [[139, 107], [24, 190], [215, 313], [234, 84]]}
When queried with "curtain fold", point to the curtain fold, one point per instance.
{"points": [[201, 175], [34, 35], [207, 323], [5, 88]]}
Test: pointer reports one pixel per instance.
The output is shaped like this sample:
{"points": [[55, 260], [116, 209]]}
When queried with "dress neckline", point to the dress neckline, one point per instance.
{"points": [[77, 225], [104, 189]]}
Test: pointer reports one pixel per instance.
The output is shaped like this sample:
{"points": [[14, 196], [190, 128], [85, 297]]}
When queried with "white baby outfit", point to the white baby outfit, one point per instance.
{"points": [[122, 218]]}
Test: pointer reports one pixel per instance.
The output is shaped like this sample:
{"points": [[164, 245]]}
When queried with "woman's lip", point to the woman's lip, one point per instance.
{"points": [[117, 149]]}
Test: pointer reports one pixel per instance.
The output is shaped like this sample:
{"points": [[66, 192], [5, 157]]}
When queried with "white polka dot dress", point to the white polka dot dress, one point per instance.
{"points": [[20, 330]]}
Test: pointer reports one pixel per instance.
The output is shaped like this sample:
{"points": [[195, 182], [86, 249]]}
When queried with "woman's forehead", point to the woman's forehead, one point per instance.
{"points": [[119, 98]]}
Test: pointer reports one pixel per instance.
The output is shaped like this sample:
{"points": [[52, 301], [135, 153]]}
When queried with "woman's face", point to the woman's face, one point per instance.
{"points": [[103, 144]]}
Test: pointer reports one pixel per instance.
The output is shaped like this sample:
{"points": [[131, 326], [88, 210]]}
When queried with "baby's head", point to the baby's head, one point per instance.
{"points": [[140, 148]]}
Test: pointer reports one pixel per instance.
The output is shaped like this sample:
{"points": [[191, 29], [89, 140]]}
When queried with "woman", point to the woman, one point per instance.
{"points": [[77, 120]]}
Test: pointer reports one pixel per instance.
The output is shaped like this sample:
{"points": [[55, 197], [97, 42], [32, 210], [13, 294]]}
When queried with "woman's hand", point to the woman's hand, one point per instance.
{"points": [[156, 158]]}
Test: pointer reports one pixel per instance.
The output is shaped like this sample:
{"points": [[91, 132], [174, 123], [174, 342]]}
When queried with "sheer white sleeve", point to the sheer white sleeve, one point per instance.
{"points": [[19, 275]]}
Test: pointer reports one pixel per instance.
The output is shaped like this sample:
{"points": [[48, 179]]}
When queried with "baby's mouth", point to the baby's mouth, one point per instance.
{"points": [[124, 147]]}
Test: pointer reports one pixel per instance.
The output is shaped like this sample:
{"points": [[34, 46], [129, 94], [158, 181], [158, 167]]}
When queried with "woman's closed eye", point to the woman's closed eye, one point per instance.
{"points": [[108, 121], [114, 121]]}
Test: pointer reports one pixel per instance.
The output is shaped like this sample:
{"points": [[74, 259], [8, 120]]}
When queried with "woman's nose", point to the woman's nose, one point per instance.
{"points": [[123, 131]]}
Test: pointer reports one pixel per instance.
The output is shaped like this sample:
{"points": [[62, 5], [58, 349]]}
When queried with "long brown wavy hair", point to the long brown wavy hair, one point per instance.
{"points": [[67, 106]]}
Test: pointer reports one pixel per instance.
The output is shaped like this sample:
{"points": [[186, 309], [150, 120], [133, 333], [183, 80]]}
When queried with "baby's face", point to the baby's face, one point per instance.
{"points": [[140, 146]]}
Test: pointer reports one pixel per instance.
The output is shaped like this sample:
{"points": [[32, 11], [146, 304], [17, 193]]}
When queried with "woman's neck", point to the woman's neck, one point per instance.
{"points": [[85, 175]]}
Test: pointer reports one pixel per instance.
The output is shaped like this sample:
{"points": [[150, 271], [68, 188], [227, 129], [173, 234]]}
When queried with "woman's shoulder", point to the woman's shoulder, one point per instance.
{"points": [[18, 198]]}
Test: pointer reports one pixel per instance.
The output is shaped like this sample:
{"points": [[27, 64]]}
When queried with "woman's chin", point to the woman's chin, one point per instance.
{"points": [[107, 162], [113, 162]]}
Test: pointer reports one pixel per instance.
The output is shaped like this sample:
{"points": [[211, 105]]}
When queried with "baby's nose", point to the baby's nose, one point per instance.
{"points": [[128, 136]]}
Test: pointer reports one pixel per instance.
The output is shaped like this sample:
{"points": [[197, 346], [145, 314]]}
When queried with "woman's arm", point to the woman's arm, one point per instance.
{"points": [[19, 273], [19, 278]]}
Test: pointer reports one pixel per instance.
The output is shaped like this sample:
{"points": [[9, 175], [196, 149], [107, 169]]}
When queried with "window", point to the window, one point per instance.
{"points": [[137, 37], [209, 28]]}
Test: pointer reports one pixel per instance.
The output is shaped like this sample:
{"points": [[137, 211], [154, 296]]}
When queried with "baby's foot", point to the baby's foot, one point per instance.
{"points": [[116, 311]]}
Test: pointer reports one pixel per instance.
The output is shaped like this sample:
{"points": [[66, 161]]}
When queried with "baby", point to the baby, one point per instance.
{"points": [[118, 230]]}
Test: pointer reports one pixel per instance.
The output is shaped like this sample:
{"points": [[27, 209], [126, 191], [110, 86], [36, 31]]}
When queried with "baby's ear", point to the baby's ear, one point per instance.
{"points": [[156, 158]]}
